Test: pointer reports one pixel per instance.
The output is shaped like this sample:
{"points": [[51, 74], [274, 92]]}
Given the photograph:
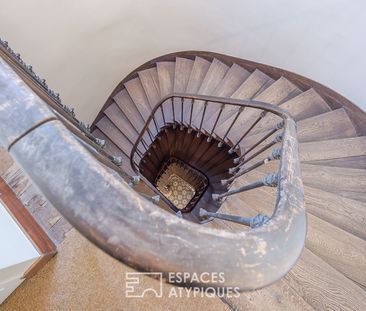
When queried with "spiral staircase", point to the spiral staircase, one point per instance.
{"points": [[211, 140]]}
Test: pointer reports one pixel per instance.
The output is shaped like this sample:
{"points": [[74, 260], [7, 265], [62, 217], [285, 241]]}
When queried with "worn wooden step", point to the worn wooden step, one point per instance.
{"points": [[334, 124], [214, 76], [347, 214], [333, 149], [106, 126], [129, 109], [166, 73], [350, 162], [280, 91], [341, 249], [183, 69], [257, 82], [150, 82], [113, 150], [343, 212], [198, 73], [323, 287], [330, 125], [233, 78], [138, 96], [114, 113], [347, 182], [303, 106], [279, 296]]}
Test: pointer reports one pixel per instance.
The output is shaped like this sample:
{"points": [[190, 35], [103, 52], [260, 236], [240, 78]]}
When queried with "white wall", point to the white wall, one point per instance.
{"points": [[85, 47]]}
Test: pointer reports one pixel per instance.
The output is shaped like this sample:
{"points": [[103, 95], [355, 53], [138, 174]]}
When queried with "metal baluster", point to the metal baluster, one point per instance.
{"points": [[173, 110], [181, 114], [253, 222], [203, 117], [117, 160], [190, 118], [270, 133], [241, 109], [275, 155], [215, 124], [270, 180], [162, 112], [156, 126], [236, 146]]}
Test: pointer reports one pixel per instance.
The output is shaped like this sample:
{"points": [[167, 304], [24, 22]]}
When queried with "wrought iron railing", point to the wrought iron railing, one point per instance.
{"points": [[132, 229], [247, 153]]}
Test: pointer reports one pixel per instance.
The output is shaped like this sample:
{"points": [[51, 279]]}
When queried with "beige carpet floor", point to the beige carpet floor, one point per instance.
{"points": [[82, 277]]}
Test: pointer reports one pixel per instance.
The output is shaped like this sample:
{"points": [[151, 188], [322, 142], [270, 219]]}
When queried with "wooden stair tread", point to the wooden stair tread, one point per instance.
{"points": [[233, 78], [125, 103], [215, 74], [183, 68], [150, 83], [253, 85], [350, 162], [305, 105], [324, 287], [107, 127], [138, 96], [330, 125], [110, 147], [121, 122], [280, 295], [280, 91], [347, 182], [342, 250], [113, 150], [333, 149], [345, 213], [166, 72], [198, 73]]}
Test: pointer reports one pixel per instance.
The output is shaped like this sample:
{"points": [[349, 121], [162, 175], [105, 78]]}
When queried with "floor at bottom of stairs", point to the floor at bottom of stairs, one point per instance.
{"points": [[82, 277]]}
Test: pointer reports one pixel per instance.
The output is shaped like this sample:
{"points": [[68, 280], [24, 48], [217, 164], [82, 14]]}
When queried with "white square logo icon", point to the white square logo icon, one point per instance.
{"points": [[135, 287]]}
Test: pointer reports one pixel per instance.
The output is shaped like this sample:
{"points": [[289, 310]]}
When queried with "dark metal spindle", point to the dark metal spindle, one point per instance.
{"points": [[276, 140], [181, 114], [203, 117], [241, 109], [253, 222], [270, 180], [270, 133], [275, 155], [162, 112], [173, 110], [215, 124], [190, 117], [263, 113]]}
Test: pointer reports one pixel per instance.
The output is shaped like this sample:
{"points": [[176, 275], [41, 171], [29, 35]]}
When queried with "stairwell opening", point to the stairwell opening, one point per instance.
{"points": [[187, 167]]}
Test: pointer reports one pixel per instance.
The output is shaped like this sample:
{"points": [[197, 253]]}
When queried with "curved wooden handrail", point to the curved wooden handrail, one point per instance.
{"points": [[113, 216]]}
